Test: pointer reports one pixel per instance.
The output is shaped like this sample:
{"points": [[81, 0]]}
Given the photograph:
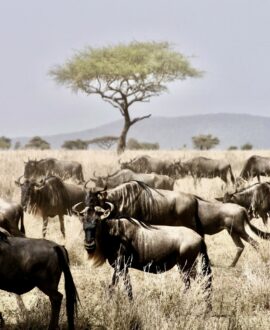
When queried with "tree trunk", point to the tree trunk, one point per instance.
{"points": [[122, 139]]}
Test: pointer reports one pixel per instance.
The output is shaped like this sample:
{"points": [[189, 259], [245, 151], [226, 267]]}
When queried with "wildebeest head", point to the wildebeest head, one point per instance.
{"points": [[125, 165], [28, 189], [227, 198], [91, 217]]}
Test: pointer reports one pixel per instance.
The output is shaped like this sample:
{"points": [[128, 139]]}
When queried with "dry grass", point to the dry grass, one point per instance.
{"points": [[241, 296]]}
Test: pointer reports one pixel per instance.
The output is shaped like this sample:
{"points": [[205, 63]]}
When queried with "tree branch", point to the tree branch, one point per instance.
{"points": [[135, 120]]}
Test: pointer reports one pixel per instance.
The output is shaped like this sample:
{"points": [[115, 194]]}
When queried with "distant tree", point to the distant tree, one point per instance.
{"points": [[37, 143], [133, 144], [17, 145], [104, 142], [5, 143], [125, 74], [247, 146], [232, 148], [205, 142], [75, 144]]}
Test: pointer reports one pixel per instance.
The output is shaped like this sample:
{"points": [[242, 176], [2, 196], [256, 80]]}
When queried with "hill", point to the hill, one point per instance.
{"points": [[174, 132]]}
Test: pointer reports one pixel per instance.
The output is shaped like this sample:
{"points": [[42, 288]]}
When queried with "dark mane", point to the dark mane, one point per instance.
{"points": [[128, 195], [246, 188], [136, 222]]}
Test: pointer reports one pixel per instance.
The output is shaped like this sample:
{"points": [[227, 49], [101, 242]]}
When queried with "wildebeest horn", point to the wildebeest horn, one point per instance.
{"points": [[39, 185], [111, 206], [74, 207], [4, 233], [84, 210], [99, 209], [85, 185], [95, 174], [18, 181], [107, 212]]}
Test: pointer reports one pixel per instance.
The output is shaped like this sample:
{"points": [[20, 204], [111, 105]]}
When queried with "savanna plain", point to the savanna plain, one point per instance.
{"points": [[241, 295]]}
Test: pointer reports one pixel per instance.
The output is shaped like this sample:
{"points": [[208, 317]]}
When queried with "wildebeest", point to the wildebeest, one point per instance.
{"points": [[129, 243], [255, 198], [28, 263], [11, 214], [255, 166], [148, 164], [216, 217], [153, 180], [65, 169], [50, 197], [171, 208], [202, 167]]}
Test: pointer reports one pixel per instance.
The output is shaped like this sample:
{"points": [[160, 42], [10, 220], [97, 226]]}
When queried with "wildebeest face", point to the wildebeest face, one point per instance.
{"points": [[229, 198], [89, 228], [27, 190]]}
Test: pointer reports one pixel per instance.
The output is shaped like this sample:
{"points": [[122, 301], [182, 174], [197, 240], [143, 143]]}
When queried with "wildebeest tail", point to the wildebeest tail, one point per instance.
{"points": [[206, 266], [71, 292], [198, 223], [259, 232], [22, 222], [231, 173]]}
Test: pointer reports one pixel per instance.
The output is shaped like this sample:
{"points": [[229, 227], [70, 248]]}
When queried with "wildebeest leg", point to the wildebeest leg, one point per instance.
{"points": [[115, 277], [62, 225], [264, 217], [127, 283], [258, 177], [240, 247], [22, 307], [2, 322], [194, 180], [187, 274], [56, 300], [44, 228]]}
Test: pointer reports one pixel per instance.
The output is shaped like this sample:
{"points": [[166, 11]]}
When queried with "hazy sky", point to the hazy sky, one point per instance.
{"points": [[228, 39]]}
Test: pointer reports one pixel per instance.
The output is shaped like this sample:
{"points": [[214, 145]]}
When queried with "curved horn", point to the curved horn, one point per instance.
{"points": [[74, 207], [95, 174], [110, 175], [85, 209], [111, 206], [99, 209], [18, 181], [85, 185], [107, 212]]}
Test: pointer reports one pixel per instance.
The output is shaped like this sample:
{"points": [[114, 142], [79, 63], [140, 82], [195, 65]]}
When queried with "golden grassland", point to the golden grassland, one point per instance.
{"points": [[241, 295]]}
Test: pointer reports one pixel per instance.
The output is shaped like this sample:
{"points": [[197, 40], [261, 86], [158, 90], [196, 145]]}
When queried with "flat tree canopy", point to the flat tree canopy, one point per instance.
{"points": [[205, 142], [124, 74]]}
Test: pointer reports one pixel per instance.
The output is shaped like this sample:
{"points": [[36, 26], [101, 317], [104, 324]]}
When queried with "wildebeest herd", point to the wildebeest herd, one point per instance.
{"points": [[133, 218]]}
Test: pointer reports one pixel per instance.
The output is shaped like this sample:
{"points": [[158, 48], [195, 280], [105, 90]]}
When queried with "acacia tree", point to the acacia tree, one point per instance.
{"points": [[125, 74], [37, 143], [5, 143], [104, 142], [75, 144], [205, 142]]}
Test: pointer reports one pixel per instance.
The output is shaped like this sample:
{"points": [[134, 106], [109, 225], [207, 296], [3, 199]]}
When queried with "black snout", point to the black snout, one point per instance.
{"points": [[90, 237], [90, 245]]}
